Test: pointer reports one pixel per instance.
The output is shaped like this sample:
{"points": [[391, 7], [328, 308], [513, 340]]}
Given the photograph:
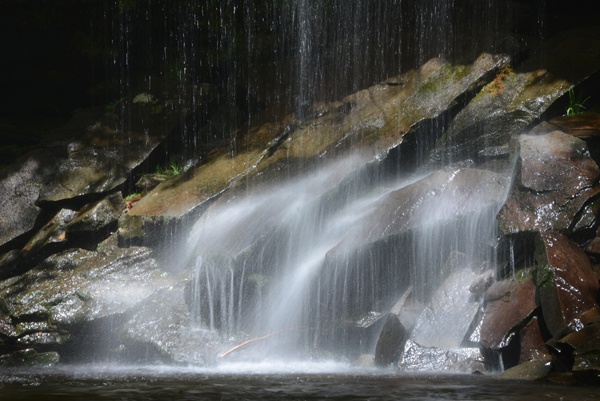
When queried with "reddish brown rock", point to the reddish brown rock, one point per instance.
{"points": [[557, 177], [509, 302], [587, 352], [567, 284], [584, 125], [532, 343]]}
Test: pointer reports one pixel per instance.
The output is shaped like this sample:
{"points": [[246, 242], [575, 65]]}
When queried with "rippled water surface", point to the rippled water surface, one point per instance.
{"points": [[314, 381]]}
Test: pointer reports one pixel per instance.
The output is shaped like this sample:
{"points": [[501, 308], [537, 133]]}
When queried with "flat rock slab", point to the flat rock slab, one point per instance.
{"points": [[557, 177], [20, 187], [567, 285], [93, 218], [509, 303]]}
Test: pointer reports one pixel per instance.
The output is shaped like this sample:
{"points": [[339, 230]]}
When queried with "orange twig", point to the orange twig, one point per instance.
{"points": [[260, 338]]}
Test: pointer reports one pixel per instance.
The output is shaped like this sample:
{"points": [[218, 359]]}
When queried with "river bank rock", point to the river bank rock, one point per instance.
{"points": [[418, 358], [391, 339], [556, 176]]}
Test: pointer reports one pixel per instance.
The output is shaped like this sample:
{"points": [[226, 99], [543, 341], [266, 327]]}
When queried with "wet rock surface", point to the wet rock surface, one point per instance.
{"points": [[390, 341], [557, 177], [532, 343], [445, 321], [567, 284], [28, 357], [418, 358], [508, 304]]}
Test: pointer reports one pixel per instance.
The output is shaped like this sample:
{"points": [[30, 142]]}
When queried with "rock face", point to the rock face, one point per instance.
{"points": [[20, 187], [532, 343], [509, 303], [567, 284], [418, 358], [445, 322], [556, 177]]}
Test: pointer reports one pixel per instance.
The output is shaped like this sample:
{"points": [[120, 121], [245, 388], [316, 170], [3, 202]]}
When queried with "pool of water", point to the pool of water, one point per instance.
{"points": [[308, 381]]}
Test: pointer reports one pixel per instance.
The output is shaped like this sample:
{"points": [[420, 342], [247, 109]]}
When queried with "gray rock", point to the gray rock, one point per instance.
{"points": [[391, 339], [20, 187], [446, 320], [95, 217], [532, 370], [418, 358]]}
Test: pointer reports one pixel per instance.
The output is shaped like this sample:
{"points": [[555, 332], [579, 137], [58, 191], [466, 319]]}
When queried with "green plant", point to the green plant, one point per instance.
{"points": [[173, 168], [133, 196], [575, 103], [115, 103]]}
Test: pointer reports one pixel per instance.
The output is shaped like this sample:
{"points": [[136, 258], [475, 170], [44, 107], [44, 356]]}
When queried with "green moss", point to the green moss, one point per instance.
{"points": [[446, 75], [545, 278]]}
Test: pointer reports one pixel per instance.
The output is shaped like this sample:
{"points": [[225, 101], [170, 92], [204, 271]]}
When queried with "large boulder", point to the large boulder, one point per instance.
{"points": [[568, 287], [556, 176], [508, 304], [460, 360]]}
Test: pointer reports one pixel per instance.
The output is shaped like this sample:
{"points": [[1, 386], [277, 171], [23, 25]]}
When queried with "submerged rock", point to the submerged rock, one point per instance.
{"points": [[556, 177], [532, 370], [508, 304], [28, 357], [567, 284]]}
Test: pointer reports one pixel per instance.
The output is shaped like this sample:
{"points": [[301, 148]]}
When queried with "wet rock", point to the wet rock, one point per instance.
{"points": [[369, 122], [365, 361], [8, 263], [408, 309], [557, 177], [51, 238], [514, 99], [28, 357], [587, 350], [567, 284], [593, 246], [532, 343], [418, 358], [162, 329], [482, 283], [440, 196], [390, 341], [20, 187], [74, 288], [84, 172], [508, 303], [532, 370], [584, 126], [445, 321], [93, 218]]}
